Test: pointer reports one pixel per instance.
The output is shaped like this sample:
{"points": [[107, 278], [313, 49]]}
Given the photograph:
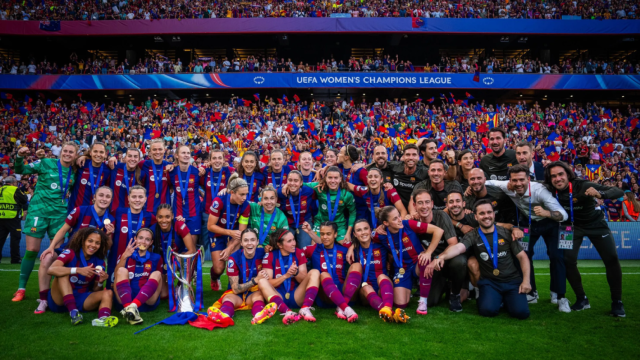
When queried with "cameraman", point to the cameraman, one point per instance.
{"points": [[12, 201]]}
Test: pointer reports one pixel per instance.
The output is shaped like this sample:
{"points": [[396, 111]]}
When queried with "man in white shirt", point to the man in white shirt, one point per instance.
{"points": [[538, 216]]}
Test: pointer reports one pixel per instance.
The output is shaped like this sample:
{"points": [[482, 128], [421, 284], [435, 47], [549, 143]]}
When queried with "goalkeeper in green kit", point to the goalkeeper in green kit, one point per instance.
{"points": [[48, 207], [334, 198]]}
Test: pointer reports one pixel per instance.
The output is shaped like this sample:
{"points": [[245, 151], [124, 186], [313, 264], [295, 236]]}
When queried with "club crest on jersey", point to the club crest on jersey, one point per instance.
{"points": [[575, 200], [54, 186], [340, 202], [413, 179], [147, 267], [494, 203], [190, 181], [509, 165], [376, 252], [500, 241], [124, 230], [83, 181], [33, 229], [303, 203], [397, 281], [405, 239], [339, 256]]}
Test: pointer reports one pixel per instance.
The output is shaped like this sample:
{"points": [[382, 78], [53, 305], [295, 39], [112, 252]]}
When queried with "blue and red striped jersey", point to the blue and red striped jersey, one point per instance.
{"points": [[210, 181], [157, 193], [176, 235], [364, 197], [252, 266], [378, 261], [271, 261], [219, 210], [185, 205], [141, 267], [259, 181], [82, 217], [277, 179], [305, 205], [88, 179], [315, 253], [411, 245], [125, 232], [79, 283], [121, 186]]}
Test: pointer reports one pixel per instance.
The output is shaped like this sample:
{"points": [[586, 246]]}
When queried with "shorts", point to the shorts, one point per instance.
{"points": [[204, 233], [37, 227], [80, 299], [218, 243], [117, 306], [291, 301], [194, 224], [406, 280]]}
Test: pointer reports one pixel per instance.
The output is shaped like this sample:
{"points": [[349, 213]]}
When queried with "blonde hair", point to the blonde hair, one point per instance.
{"points": [[236, 182]]}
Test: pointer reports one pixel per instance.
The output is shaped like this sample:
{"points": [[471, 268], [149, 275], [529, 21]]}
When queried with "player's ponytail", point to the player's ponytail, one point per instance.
{"points": [[236, 182], [382, 214]]}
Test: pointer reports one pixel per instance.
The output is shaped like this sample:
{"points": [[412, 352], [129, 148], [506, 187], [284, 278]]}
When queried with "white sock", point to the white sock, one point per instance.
{"points": [[423, 299]]}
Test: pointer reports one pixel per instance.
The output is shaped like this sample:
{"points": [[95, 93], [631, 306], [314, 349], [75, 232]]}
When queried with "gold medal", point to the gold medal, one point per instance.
{"points": [[286, 296], [401, 271], [298, 231], [496, 272], [364, 284], [157, 196]]}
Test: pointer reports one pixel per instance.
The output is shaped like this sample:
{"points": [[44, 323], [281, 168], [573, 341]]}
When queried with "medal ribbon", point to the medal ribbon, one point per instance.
{"points": [[366, 268], [294, 213], [333, 212], [262, 235], [283, 270], [397, 255], [96, 184], [494, 253], [331, 266], [64, 186]]}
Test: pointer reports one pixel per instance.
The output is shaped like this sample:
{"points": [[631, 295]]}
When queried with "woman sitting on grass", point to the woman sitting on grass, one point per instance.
{"points": [[79, 277]]}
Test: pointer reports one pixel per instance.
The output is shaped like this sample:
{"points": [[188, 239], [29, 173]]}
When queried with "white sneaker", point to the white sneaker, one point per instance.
{"points": [[477, 293], [554, 297], [532, 299], [131, 314], [563, 305], [42, 307]]}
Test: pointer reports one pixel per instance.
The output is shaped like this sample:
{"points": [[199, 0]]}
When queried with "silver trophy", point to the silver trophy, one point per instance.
{"points": [[184, 272]]}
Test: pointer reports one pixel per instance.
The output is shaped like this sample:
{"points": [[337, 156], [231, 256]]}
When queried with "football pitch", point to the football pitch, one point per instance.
{"points": [[440, 334]]}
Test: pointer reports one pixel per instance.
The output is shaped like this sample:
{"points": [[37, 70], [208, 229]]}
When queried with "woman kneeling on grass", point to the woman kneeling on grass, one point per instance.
{"points": [[244, 270], [80, 288], [138, 275], [290, 285], [370, 268]]}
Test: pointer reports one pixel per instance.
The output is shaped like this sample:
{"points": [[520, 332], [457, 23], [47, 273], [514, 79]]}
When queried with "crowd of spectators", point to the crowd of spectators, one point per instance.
{"points": [[90, 10], [159, 64], [598, 136]]}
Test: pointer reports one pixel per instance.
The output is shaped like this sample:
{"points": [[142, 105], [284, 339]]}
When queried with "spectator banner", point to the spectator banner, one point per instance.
{"points": [[626, 235], [321, 80], [325, 25]]}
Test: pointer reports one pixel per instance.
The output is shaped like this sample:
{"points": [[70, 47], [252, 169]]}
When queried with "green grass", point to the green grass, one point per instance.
{"points": [[441, 334]]}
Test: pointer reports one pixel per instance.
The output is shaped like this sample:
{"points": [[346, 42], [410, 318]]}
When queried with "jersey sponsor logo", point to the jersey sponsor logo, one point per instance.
{"points": [[493, 177], [118, 183], [54, 186], [144, 274], [224, 221], [131, 275], [73, 279], [278, 276], [324, 266], [209, 183], [124, 230], [324, 207], [178, 189], [502, 254], [484, 256], [395, 182], [83, 181], [70, 217]]}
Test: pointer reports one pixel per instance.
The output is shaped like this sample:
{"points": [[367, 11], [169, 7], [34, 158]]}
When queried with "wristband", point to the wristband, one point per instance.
{"points": [[100, 284], [73, 270]]}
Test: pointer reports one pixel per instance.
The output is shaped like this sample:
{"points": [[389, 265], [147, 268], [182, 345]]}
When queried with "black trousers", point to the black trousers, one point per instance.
{"points": [[603, 241], [11, 227], [454, 269]]}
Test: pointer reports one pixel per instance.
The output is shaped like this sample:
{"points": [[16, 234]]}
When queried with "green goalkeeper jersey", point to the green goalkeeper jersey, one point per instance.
{"points": [[279, 222], [346, 202], [48, 200]]}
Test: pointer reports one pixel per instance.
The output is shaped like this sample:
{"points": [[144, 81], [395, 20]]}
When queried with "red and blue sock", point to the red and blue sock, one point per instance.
{"points": [[44, 294], [331, 290], [124, 291], [425, 284], [352, 283], [386, 290], [228, 308], [104, 312], [375, 301], [257, 307], [146, 291], [70, 302], [310, 296], [282, 307]]}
